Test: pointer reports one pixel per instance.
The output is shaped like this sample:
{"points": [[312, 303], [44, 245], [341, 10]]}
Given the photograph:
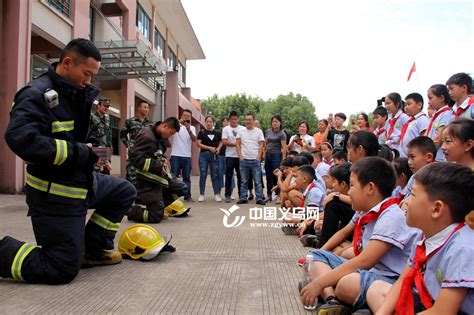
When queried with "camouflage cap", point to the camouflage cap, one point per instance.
{"points": [[104, 100]]}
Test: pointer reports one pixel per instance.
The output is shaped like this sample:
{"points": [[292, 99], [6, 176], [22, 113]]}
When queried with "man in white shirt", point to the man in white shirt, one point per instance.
{"points": [[181, 151], [250, 141], [229, 139]]}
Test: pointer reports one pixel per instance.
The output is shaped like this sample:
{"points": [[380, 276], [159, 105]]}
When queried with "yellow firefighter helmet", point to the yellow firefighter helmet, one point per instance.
{"points": [[177, 208], [142, 241]]}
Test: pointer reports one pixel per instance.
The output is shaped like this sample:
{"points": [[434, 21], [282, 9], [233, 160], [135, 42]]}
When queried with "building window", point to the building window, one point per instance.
{"points": [[91, 23], [171, 59], [159, 43], [143, 22], [63, 6], [181, 73]]}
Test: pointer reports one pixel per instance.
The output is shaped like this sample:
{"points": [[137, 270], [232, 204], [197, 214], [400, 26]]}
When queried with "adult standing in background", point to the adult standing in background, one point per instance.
{"points": [[229, 139], [100, 132], [209, 141], [318, 137], [250, 142], [302, 141], [221, 160], [181, 151], [129, 132], [275, 152]]}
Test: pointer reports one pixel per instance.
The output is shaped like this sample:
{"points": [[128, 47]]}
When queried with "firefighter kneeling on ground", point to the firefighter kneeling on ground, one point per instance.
{"points": [[48, 128], [153, 174]]}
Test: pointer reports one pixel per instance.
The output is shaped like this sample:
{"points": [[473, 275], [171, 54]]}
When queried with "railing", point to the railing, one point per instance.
{"points": [[63, 6]]}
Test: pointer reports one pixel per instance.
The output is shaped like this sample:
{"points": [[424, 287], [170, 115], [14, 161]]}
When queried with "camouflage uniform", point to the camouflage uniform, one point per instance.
{"points": [[128, 135], [100, 134], [100, 130]]}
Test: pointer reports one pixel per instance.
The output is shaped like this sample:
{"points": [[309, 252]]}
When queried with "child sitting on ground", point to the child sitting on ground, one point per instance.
{"points": [[438, 100], [381, 244], [460, 85], [282, 182], [340, 157], [337, 214], [440, 264], [380, 120], [416, 124], [421, 152], [404, 173], [326, 152]]}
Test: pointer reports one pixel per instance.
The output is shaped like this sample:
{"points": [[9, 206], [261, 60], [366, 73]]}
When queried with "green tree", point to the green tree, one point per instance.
{"points": [[292, 108]]}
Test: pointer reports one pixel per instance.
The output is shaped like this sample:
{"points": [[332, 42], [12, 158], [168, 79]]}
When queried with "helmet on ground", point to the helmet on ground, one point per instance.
{"points": [[176, 209], [142, 241]]}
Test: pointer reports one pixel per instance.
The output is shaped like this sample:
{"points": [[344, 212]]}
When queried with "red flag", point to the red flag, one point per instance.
{"points": [[413, 69]]}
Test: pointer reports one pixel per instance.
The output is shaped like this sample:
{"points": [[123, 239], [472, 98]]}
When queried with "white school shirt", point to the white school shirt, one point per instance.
{"points": [[182, 142], [442, 120], [415, 127], [469, 113], [249, 142], [390, 227], [230, 134], [393, 140], [451, 266]]}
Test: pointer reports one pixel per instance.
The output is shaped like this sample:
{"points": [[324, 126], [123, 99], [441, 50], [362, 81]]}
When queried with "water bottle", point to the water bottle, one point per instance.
{"points": [[308, 264]]}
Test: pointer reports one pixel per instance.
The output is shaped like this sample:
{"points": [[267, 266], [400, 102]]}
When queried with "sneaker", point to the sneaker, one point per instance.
{"points": [[189, 199], [227, 199], [218, 198], [201, 198], [251, 196], [260, 202], [334, 307], [101, 259], [232, 198], [242, 201]]}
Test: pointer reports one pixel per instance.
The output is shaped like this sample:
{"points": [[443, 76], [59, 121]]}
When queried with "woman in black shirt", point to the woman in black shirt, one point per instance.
{"points": [[209, 141]]}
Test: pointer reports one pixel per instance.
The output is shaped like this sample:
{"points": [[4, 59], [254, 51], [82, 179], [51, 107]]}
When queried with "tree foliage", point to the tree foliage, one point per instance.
{"points": [[292, 108]]}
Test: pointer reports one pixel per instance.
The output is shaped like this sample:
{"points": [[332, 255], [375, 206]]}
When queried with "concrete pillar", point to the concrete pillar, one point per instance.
{"points": [[80, 18], [127, 100], [127, 91], [15, 30], [172, 94]]}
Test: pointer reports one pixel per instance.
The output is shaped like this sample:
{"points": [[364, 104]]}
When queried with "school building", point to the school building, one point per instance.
{"points": [[145, 47]]}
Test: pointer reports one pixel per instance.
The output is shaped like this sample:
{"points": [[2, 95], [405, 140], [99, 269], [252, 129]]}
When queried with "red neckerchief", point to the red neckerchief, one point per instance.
{"points": [[369, 217], [460, 110], [405, 126], [330, 163], [392, 123], [438, 112], [379, 132], [311, 186], [405, 302]]}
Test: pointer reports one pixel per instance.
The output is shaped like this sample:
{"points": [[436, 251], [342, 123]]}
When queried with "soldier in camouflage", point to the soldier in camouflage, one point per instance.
{"points": [[130, 131], [100, 132]]}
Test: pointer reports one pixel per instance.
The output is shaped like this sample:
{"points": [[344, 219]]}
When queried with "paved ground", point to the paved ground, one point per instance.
{"points": [[215, 270]]}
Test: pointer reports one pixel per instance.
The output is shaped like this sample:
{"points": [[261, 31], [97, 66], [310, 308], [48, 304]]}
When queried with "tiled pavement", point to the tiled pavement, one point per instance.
{"points": [[215, 270]]}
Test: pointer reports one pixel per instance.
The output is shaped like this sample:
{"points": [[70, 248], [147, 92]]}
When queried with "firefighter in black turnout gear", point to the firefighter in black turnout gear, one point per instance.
{"points": [[48, 126], [152, 169]]}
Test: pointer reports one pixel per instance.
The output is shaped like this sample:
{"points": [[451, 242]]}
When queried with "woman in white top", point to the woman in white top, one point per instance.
{"points": [[302, 141]]}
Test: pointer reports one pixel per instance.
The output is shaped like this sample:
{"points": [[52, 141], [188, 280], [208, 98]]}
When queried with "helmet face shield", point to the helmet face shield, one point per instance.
{"points": [[140, 241]]}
